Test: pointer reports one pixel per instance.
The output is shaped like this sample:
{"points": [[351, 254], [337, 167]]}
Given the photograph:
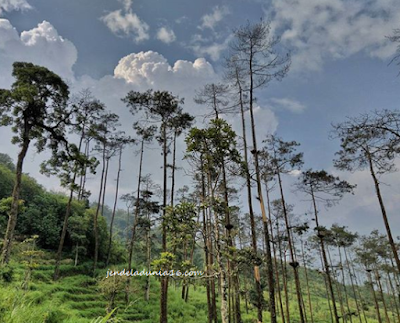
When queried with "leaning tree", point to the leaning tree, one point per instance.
{"points": [[371, 148], [36, 108]]}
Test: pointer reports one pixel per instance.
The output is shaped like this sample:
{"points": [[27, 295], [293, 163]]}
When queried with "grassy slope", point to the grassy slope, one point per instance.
{"points": [[77, 298]]}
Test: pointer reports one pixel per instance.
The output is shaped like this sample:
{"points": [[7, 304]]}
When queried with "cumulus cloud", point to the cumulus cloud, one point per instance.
{"points": [[41, 45], [319, 30], [212, 19], [166, 35], [152, 69], [126, 23], [11, 5], [288, 104]]}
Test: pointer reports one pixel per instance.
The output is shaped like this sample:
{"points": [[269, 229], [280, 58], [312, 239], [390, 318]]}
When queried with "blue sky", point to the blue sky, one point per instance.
{"points": [[340, 57]]}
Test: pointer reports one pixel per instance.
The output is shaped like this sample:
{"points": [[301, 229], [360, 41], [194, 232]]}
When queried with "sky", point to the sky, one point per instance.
{"points": [[340, 67]]}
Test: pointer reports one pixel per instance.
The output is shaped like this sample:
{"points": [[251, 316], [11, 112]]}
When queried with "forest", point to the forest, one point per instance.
{"points": [[224, 213]]}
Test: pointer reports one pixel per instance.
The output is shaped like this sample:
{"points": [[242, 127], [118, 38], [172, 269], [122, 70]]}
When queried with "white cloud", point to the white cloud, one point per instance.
{"points": [[11, 5], [151, 69], [295, 172], [288, 104], [319, 30], [166, 35], [213, 50], [41, 45], [126, 24], [211, 20]]}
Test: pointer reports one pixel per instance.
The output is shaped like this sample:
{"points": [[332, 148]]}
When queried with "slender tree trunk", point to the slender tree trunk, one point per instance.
{"points": [[63, 233], [270, 273], [393, 292], [164, 280], [352, 285], [378, 282], [325, 259], [307, 282], [96, 216], [250, 205], [105, 186], [327, 288], [294, 263], [173, 170], [358, 289], [374, 295], [114, 207], [336, 285], [148, 259], [82, 181], [221, 268], [67, 213], [12, 220], [344, 287], [76, 254], [284, 274], [384, 215], [136, 216], [274, 252], [206, 243]]}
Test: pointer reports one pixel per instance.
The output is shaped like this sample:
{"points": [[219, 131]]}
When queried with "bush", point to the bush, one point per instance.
{"points": [[7, 274]]}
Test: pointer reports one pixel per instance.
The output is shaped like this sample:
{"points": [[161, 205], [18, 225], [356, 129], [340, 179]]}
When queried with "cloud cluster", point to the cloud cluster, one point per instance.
{"points": [[41, 45], [319, 30], [11, 5], [151, 69]]}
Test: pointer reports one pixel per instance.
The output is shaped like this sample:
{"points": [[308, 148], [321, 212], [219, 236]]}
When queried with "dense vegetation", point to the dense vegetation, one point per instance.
{"points": [[260, 261]]}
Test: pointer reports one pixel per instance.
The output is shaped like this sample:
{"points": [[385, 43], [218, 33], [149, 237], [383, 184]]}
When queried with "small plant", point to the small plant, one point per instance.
{"points": [[107, 318], [110, 287], [30, 258]]}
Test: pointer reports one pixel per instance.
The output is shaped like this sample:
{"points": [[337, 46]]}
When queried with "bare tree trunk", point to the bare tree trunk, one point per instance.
{"points": [[164, 280], [206, 244], [250, 204], [274, 253], [76, 254], [136, 216], [63, 233], [114, 207], [148, 259], [325, 259], [284, 275], [173, 170], [96, 216], [344, 288], [393, 292], [357, 284], [12, 220], [293, 263], [307, 282], [105, 186], [270, 273], [384, 215], [352, 285], [221, 268], [378, 281], [374, 294]]}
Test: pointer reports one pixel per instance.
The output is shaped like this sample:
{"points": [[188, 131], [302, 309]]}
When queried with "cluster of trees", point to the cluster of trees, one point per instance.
{"points": [[204, 226]]}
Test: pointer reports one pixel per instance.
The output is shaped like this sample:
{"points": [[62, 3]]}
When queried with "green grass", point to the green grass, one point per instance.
{"points": [[79, 298]]}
